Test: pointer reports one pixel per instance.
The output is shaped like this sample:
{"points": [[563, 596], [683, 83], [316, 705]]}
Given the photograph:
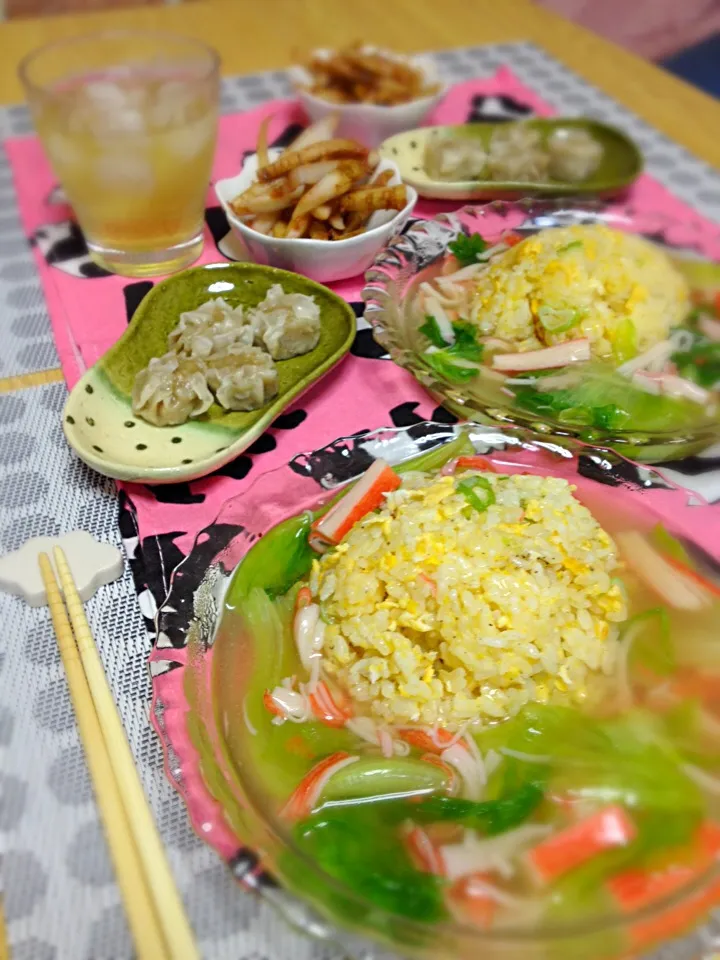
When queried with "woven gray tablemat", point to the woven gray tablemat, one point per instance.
{"points": [[61, 901]]}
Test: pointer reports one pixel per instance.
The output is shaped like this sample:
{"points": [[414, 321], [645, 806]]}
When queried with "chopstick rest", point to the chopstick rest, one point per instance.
{"points": [[91, 562]]}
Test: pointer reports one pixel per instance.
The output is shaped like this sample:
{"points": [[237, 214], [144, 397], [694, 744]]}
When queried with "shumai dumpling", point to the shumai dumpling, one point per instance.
{"points": [[517, 153], [170, 390], [574, 154], [244, 378], [286, 324], [455, 158], [212, 328]]}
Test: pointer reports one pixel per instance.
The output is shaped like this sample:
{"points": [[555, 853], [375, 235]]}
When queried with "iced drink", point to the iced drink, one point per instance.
{"points": [[132, 145]]}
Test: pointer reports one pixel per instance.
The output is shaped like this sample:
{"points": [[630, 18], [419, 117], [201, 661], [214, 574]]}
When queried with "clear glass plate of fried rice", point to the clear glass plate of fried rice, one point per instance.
{"points": [[579, 319], [450, 692]]}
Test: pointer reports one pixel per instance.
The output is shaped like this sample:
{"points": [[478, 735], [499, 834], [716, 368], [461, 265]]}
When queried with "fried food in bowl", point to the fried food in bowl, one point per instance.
{"points": [[323, 193], [376, 92]]}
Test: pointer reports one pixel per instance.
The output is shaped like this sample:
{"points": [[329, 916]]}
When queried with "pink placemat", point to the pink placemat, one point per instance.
{"points": [[89, 312]]}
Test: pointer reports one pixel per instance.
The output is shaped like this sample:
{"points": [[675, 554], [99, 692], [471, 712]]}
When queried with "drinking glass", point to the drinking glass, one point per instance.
{"points": [[129, 120]]}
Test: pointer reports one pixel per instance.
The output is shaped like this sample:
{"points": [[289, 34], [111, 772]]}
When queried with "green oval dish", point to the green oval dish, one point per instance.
{"points": [[621, 163], [98, 420]]}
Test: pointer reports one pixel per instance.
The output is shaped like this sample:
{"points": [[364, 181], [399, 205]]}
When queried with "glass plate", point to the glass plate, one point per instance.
{"points": [[194, 629], [416, 254]]}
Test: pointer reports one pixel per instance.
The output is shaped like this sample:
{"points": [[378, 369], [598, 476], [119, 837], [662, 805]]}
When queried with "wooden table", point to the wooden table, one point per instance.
{"points": [[255, 35]]}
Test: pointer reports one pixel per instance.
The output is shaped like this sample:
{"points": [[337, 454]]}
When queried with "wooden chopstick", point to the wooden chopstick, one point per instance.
{"points": [[128, 866], [150, 879]]}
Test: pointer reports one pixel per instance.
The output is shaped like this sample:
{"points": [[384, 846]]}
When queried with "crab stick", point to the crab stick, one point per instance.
{"points": [[304, 798], [332, 711], [572, 351], [367, 495], [470, 899], [675, 583], [423, 852], [428, 739], [638, 888], [575, 845]]}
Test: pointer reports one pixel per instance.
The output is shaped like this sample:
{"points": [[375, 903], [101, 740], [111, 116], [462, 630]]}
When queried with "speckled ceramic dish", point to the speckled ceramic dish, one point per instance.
{"points": [[98, 419], [620, 166]]}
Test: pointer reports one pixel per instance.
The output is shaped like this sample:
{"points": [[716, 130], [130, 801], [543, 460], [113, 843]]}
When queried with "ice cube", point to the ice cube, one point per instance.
{"points": [[124, 170]]}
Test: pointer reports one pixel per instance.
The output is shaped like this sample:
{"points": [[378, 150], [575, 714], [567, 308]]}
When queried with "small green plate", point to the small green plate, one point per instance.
{"points": [[98, 419], [621, 163]]}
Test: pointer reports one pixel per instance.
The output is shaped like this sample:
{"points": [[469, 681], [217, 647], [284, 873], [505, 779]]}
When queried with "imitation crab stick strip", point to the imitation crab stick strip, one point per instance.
{"points": [[469, 899], [467, 463], [423, 852], [429, 583], [303, 598], [575, 845], [367, 495], [304, 798], [332, 711], [432, 741], [667, 578], [452, 774], [637, 888], [558, 356], [512, 239], [271, 706], [694, 575]]}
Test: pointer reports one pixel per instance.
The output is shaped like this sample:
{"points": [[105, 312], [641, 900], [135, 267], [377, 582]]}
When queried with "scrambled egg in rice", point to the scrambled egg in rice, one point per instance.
{"points": [[614, 288], [438, 613]]}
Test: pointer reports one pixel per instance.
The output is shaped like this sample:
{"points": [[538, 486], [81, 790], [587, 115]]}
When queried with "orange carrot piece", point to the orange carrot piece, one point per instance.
{"points": [[716, 303], [580, 842], [475, 463]]}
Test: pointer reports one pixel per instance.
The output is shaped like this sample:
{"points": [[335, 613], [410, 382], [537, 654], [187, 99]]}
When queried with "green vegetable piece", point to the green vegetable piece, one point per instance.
{"points": [[466, 345], [278, 560], [448, 362], [489, 817], [467, 249], [624, 341], [610, 416], [434, 459], [652, 647], [575, 245], [607, 400], [559, 319], [431, 329], [701, 363], [670, 546], [477, 491], [376, 777], [362, 848], [442, 364]]}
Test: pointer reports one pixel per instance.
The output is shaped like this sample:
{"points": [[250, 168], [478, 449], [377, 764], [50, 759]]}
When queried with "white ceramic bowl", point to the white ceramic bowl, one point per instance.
{"points": [[321, 260], [367, 122]]}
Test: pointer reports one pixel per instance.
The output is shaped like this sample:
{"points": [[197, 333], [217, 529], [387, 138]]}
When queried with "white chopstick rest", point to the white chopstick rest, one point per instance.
{"points": [[91, 562]]}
